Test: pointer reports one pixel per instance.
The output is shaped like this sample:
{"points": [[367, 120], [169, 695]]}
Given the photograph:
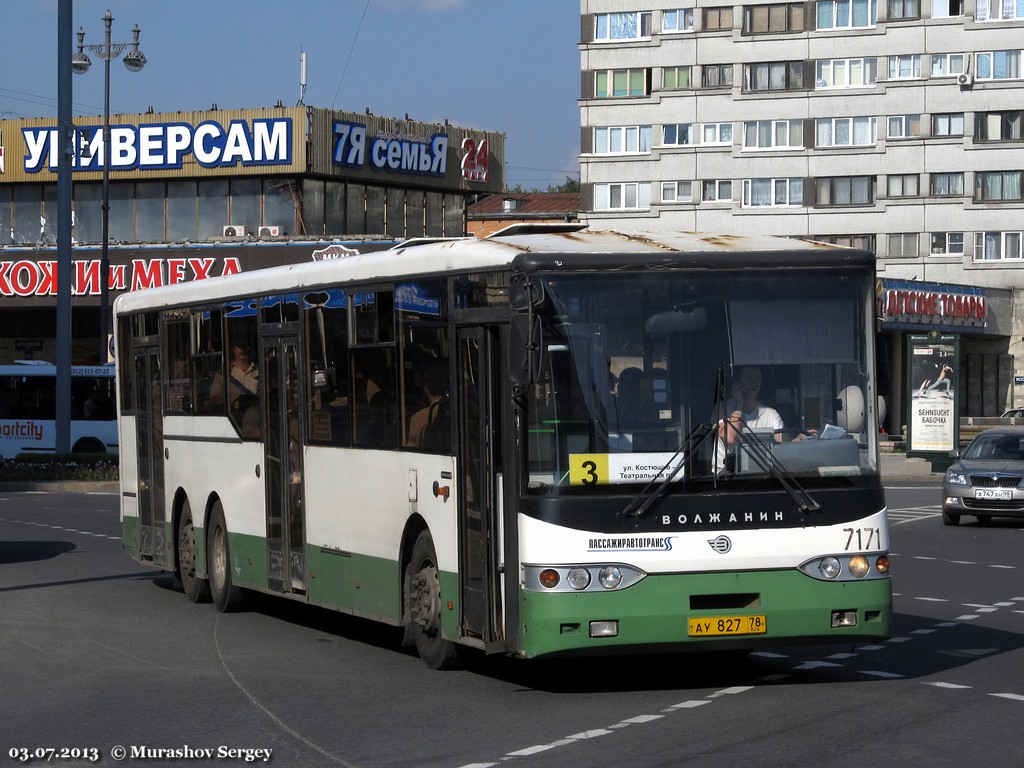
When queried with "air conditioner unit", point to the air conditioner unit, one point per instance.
{"points": [[270, 230], [234, 230], [966, 80]]}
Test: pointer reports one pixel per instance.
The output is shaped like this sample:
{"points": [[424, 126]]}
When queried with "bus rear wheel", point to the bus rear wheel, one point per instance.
{"points": [[226, 596], [424, 607], [196, 589]]}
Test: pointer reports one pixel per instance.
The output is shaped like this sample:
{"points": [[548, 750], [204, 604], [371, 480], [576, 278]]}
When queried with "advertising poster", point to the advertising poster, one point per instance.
{"points": [[932, 417]]}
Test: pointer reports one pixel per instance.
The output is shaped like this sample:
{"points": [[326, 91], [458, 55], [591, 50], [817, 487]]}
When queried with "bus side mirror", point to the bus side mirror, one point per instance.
{"points": [[525, 292], [524, 349]]}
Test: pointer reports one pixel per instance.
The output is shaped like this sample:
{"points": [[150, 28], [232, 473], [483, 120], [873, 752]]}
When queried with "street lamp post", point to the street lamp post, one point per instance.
{"points": [[134, 61]]}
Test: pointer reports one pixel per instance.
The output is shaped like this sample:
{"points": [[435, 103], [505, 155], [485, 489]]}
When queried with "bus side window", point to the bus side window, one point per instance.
{"points": [[207, 362], [178, 390], [329, 400], [375, 412]]}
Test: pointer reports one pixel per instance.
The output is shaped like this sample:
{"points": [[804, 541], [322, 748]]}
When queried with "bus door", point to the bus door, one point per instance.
{"points": [[149, 431], [479, 455], [282, 400]]}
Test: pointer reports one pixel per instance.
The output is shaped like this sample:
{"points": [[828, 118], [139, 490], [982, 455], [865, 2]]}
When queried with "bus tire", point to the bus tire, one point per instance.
{"points": [[424, 606], [226, 596], [196, 589]]}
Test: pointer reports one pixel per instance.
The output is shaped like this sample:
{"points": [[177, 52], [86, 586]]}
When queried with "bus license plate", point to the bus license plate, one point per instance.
{"points": [[1001, 494], [714, 626]]}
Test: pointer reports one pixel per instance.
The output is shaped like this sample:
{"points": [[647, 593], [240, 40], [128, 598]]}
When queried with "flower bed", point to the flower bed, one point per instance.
{"points": [[45, 467]]}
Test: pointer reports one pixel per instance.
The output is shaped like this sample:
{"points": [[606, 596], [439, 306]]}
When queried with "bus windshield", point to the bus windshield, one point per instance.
{"points": [[640, 370]]}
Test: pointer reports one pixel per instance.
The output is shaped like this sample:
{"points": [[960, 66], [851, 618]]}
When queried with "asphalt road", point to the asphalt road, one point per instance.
{"points": [[98, 653]]}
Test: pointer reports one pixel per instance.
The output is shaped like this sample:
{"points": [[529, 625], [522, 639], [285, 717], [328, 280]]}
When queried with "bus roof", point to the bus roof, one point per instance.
{"points": [[525, 246]]}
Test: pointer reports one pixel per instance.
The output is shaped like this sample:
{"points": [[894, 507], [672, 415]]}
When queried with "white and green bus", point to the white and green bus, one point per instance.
{"points": [[515, 444]]}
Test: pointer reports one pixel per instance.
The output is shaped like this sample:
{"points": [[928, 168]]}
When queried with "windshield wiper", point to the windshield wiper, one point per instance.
{"points": [[761, 455], [656, 488]]}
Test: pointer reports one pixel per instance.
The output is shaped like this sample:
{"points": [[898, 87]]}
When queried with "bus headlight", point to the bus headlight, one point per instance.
{"points": [[850, 567], [598, 577], [610, 577], [549, 578], [859, 566], [579, 578], [830, 567]]}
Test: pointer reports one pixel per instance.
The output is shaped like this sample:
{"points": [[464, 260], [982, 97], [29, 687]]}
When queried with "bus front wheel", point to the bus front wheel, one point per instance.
{"points": [[424, 602], [196, 589], [226, 596]]}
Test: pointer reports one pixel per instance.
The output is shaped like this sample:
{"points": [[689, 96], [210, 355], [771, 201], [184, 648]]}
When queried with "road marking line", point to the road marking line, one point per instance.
{"points": [[876, 673], [951, 686], [967, 617], [932, 599], [691, 704], [1013, 696]]}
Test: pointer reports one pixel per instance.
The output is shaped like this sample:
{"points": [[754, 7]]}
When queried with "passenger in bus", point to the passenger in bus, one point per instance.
{"points": [[428, 426], [243, 379]]}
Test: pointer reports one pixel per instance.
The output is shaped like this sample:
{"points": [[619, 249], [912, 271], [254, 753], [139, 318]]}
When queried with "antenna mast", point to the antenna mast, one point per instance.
{"points": [[302, 78]]}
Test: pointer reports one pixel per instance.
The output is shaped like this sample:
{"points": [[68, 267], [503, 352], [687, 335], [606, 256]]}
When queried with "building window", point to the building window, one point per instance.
{"points": [[775, 18], [676, 191], [675, 77], [677, 20], [775, 193], [903, 246], [948, 64], [902, 185], [773, 134], [905, 67], [864, 242], [947, 243], [837, 191], [717, 75], [614, 83], [997, 126], [845, 132], [996, 245], [622, 26], [719, 190], [717, 18], [773, 76], [844, 14], [944, 9], [716, 133], [622, 139], [998, 10], [904, 126], [945, 184], [846, 73], [997, 185], [904, 9], [624, 196], [678, 135], [948, 124], [997, 65]]}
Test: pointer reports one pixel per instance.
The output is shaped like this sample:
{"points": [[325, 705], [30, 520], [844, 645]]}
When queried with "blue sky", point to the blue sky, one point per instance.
{"points": [[500, 65]]}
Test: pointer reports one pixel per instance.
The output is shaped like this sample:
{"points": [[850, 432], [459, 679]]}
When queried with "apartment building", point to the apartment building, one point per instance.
{"points": [[894, 126]]}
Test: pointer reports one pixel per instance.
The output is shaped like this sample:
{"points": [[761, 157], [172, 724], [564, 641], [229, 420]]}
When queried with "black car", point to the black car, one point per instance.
{"points": [[986, 479]]}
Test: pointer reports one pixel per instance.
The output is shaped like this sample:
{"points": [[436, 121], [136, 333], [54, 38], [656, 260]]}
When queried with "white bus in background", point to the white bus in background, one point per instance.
{"points": [[28, 408]]}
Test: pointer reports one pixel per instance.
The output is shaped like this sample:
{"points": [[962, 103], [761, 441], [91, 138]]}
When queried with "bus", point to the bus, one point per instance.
{"points": [[28, 408], [439, 437]]}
